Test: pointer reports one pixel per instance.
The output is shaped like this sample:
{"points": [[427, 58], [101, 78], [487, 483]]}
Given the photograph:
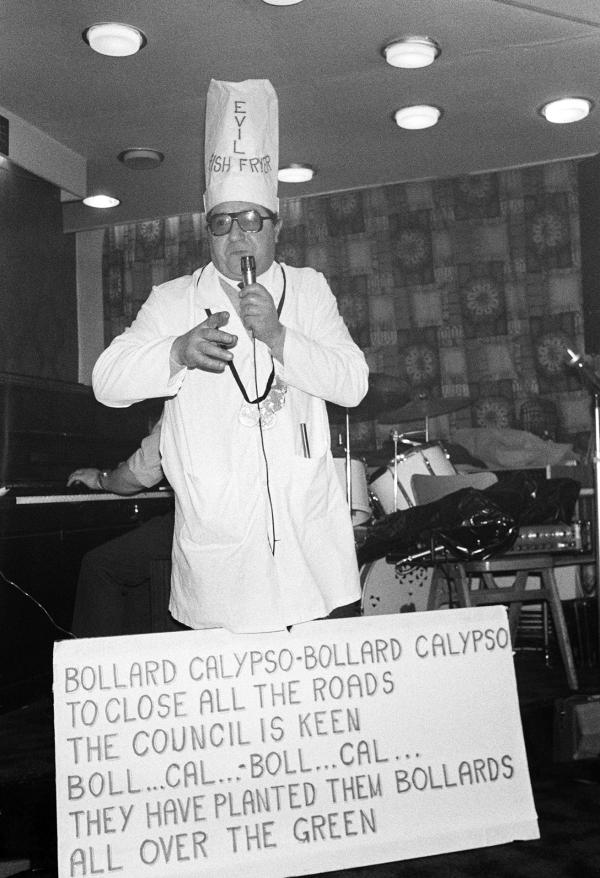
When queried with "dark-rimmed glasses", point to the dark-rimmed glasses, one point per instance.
{"points": [[248, 221]]}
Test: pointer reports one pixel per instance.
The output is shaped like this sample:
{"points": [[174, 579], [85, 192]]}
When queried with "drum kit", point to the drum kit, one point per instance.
{"points": [[387, 489]]}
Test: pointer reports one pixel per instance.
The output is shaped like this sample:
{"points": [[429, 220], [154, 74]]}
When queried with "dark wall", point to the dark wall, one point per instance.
{"points": [[38, 304]]}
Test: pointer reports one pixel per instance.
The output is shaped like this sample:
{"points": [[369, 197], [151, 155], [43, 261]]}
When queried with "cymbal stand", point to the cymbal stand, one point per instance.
{"points": [[395, 438], [589, 378]]}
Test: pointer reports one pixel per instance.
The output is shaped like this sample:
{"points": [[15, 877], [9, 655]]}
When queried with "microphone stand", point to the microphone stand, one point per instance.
{"points": [[596, 499], [592, 380], [395, 438]]}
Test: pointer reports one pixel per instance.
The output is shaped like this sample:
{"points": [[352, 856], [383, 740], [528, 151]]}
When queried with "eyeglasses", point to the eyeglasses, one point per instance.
{"points": [[248, 221]]}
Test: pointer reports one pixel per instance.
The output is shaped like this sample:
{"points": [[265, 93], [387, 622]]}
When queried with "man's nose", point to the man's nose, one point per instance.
{"points": [[236, 232]]}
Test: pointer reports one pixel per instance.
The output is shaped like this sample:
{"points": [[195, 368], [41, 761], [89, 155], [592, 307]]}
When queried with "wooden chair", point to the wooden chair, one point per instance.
{"points": [[475, 584]]}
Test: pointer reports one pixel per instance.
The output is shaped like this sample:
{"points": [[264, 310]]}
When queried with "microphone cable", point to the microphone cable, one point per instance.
{"points": [[264, 454], [248, 268], [39, 605]]}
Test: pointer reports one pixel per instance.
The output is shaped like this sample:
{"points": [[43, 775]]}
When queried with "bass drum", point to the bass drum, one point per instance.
{"points": [[394, 588], [361, 503], [427, 460]]}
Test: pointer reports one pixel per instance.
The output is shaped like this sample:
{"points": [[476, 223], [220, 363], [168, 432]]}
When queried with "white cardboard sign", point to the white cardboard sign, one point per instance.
{"points": [[341, 743]]}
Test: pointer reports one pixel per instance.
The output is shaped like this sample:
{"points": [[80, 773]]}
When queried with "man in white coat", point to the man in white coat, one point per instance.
{"points": [[263, 535]]}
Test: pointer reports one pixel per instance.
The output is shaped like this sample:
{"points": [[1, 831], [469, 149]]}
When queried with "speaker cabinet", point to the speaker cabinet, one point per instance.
{"points": [[577, 728]]}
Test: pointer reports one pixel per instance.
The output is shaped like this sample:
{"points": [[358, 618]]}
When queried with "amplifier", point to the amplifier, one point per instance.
{"points": [[576, 537], [577, 728]]}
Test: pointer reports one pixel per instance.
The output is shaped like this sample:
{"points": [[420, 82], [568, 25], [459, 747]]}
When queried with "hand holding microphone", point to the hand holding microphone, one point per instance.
{"points": [[257, 308], [248, 266]]}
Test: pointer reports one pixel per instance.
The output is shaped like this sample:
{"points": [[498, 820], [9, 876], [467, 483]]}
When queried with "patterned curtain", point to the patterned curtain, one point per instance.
{"points": [[140, 255], [464, 287]]}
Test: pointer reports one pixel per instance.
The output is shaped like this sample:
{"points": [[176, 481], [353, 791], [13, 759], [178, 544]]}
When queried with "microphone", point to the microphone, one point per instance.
{"points": [[586, 370], [248, 266]]}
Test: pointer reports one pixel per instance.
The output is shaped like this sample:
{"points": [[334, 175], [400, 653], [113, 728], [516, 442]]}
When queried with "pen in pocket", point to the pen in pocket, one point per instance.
{"points": [[304, 437]]}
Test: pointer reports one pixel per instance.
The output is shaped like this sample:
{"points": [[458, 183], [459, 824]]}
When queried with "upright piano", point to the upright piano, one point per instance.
{"points": [[48, 429]]}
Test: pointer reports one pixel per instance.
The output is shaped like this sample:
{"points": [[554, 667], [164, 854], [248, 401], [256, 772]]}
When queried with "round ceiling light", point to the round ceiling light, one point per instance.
{"points": [[566, 110], [420, 116], [412, 52], [113, 38], [101, 201], [296, 172], [281, 2], [141, 158]]}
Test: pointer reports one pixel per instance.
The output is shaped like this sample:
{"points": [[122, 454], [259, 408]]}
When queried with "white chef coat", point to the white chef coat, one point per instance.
{"points": [[263, 534]]}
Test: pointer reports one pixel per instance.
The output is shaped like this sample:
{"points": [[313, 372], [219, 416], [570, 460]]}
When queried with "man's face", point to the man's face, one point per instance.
{"points": [[227, 250]]}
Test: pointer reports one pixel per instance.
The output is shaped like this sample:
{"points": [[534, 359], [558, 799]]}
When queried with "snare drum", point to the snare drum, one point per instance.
{"points": [[426, 460], [361, 504], [394, 588]]}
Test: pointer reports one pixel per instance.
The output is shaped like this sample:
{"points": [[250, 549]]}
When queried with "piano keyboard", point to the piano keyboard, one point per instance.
{"points": [[96, 497]]}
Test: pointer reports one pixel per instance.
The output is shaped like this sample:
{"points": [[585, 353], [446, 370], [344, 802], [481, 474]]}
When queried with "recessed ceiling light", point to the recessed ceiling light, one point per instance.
{"points": [[281, 2], [101, 201], [566, 110], [113, 38], [141, 158], [420, 116], [412, 52], [296, 172]]}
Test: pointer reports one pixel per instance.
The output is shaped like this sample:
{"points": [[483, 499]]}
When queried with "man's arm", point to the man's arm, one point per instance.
{"points": [[119, 480], [320, 356], [140, 471], [151, 357]]}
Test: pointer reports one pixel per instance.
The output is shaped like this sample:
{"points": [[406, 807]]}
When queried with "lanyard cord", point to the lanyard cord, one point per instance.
{"points": [[271, 377]]}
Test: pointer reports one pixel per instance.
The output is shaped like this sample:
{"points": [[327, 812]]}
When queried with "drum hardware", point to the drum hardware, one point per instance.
{"points": [[395, 441], [391, 485], [433, 557], [405, 438], [384, 390], [430, 556], [353, 477], [426, 407], [360, 507], [395, 436], [378, 510]]}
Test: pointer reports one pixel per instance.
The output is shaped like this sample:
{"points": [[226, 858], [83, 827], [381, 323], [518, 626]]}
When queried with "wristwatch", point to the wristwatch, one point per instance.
{"points": [[102, 475]]}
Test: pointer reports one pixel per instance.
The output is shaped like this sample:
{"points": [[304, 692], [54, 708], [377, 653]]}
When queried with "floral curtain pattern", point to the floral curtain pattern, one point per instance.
{"points": [[464, 287]]}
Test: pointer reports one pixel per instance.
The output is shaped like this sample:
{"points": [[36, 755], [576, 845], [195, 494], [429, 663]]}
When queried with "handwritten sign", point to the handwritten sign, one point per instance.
{"points": [[341, 743]]}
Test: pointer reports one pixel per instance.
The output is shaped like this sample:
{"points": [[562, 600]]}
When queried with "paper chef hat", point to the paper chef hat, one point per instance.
{"points": [[241, 143]]}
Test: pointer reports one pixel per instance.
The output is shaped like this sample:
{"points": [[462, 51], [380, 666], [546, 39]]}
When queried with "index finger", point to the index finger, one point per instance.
{"points": [[214, 321]]}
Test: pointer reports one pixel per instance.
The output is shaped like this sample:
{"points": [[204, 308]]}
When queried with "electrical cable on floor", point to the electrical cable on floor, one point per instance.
{"points": [[39, 605]]}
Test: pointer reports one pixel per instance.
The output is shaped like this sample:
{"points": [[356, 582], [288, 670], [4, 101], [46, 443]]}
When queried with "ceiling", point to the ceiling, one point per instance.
{"points": [[500, 61]]}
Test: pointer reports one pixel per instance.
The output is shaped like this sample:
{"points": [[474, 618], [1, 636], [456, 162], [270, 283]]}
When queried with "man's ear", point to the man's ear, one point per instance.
{"points": [[278, 226]]}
